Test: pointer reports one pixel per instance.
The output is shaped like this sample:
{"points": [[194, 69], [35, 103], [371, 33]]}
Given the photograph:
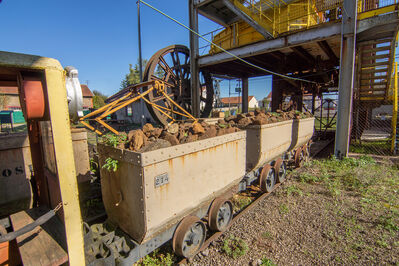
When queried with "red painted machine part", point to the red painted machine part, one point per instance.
{"points": [[34, 99]]}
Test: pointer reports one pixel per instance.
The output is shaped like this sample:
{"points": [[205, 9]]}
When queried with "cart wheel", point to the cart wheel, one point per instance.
{"points": [[280, 168], [220, 214], [189, 236], [299, 157], [267, 178]]}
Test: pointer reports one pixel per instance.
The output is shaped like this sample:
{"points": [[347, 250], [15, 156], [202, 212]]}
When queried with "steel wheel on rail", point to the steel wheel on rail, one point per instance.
{"points": [[220, 214], [267, 178], [172, 65], [189, 236], [280, 168]]}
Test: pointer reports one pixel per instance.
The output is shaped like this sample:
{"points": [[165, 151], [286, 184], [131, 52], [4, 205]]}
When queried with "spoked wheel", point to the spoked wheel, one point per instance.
{"points": [[189, 236], [220, 214], [280, 168], [299, 157], [267, 178], [172, 65]]}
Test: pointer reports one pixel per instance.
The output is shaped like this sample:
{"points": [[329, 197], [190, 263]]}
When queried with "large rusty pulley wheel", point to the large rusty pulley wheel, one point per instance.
{"points": [[267, 178], [172, 65], [220, 214], [189, 236], [299, 157], [280, 168]]}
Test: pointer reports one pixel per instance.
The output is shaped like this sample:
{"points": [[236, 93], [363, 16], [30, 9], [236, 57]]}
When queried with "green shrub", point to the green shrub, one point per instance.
{"points": [[234, 247]]}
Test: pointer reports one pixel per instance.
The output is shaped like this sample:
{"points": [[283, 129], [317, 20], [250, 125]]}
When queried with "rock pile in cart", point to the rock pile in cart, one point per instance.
{"points": [[151, 138]]}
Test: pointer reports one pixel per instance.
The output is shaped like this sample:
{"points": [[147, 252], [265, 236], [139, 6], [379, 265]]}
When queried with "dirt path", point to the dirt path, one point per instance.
{"points": [[326, 213]]}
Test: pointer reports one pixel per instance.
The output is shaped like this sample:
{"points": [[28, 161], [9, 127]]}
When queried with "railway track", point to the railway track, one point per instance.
{"points": [[216, 235]]}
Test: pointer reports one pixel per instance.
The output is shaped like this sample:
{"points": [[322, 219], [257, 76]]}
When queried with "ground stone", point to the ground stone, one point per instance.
{"points": [[172, 139], [198, 128], [155, 145], [173, 128], [136, 139], [147, 129]]}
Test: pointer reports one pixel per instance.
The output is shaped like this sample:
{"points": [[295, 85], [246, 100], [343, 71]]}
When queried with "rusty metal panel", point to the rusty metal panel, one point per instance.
{"points": [[15, 188], [163, 186], [123, 193], [80, 151], [266, 142]]}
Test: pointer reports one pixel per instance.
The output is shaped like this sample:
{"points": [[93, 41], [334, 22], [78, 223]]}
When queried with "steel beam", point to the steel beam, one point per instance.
{"points": [[277, 93], [328, 51], [194, 52], [346, 78], [305, 55], [320, 33], [244, 99]]}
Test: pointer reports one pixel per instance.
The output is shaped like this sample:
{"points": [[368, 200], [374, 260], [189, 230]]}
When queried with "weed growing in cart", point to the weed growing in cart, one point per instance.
{"points": [[111, 165]]}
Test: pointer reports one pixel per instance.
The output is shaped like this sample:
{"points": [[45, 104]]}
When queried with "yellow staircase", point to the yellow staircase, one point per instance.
{"points": [[374, 70]]}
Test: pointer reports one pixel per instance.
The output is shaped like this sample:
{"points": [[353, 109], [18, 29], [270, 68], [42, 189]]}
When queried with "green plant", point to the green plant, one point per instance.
{"points": [[284, 209], [113, 140], [234, 247], [156, 259], [267, 235], [93, 166], [111, 165], [267, 262], [294, 190], [308, 178], [382, 243], [240, 202], [388, 223]]}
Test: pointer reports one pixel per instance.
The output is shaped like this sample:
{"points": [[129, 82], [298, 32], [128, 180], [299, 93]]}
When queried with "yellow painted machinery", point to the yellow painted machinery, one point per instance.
{"points": [[41, 85]]}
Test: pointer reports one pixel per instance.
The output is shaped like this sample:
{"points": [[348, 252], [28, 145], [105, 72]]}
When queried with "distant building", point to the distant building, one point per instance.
{"points": [[131, 113], [266, 102], [12, 97], [87, 97], [236, 102]]}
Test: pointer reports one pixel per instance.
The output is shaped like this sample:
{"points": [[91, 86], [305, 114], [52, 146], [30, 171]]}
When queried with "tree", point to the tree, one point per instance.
{"points": [[133, 77], [98, 99]]}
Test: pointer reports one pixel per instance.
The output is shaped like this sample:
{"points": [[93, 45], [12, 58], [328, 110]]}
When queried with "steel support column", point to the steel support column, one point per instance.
{"points": [[244, 99], [346, 77], [194, 50], [277, 93]]}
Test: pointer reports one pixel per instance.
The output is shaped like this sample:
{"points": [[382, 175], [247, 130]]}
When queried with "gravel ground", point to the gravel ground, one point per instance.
{"points": [[305, 223]]}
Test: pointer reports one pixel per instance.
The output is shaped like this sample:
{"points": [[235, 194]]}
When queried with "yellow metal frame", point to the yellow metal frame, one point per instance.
{"points": [[281, 18], [132, 96], [65, 162]]}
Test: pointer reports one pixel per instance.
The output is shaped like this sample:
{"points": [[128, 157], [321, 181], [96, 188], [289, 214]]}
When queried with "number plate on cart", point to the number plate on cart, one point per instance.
{"points": [[161, 180]]}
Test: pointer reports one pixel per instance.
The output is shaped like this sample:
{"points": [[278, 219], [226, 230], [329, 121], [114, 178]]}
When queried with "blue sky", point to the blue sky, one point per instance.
{"points": [[99, 37]]}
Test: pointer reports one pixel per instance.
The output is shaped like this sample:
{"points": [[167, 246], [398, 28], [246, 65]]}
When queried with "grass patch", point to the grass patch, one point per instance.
{"points": [[293, 190], [155, 259], [283, 209], [388, 223], [240, 202], [234, 247], [267, 235], [267, 262], [348, 174]]}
